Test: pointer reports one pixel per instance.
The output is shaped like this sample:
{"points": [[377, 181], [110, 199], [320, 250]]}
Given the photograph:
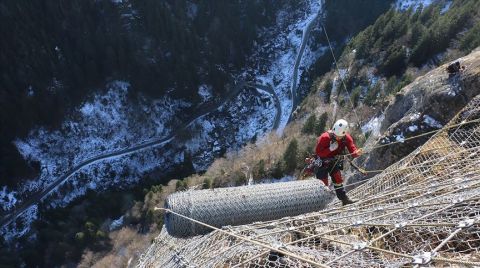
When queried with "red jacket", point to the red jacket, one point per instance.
{"points": [[323, 146]]}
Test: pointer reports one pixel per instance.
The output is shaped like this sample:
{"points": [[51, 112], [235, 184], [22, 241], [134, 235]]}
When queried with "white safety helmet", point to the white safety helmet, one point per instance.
{"points": [[340, 128]]}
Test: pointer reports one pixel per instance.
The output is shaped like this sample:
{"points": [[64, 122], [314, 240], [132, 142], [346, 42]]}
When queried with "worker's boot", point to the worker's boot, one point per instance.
{"points": [[342, 196], [340, 189], [347, 201]]}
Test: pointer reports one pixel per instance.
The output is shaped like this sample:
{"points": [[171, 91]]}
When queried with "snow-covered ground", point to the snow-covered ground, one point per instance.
{"points": [[205, 92], [281, 52], [217, 132], [273, 180], [406, 4], [415, 122], [373, 126], [8, 198], [116, 223], [110, 122], [431, 122]]}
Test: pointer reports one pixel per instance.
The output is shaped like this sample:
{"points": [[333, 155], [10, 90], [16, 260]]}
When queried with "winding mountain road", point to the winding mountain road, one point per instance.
{"points": [[208, 108], [293, 89], [278, 106], [8, 218]]}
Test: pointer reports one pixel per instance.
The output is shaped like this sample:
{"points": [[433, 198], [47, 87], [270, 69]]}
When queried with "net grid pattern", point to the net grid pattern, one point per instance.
{"points": [[242, 205], [422, 211]]}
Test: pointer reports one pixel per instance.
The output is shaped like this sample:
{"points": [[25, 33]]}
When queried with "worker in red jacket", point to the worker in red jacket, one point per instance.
{"points": [[329, 145]]}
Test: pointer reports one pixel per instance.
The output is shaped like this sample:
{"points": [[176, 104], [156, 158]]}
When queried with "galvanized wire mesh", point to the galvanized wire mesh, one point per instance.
{"points": [[242, 205], [423, 210]]}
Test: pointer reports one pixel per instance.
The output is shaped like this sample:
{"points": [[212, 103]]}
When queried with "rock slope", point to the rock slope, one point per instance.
{"points": [[425, 105]]}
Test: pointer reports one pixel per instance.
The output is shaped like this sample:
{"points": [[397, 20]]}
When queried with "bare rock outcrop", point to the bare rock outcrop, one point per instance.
{"points": [[425, 105]]}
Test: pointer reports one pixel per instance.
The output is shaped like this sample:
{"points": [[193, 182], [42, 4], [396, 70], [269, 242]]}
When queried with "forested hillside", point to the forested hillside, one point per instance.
{"points": [[60, 51], [403, 42], [375, 64], [63, 52]]}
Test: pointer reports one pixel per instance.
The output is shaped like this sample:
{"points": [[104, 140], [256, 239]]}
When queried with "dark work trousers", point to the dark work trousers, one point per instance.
{"points": [[333, 168]]}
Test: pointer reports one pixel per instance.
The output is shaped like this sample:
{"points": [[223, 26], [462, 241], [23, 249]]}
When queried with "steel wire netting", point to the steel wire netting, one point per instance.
{"points": [[423, 210], [242, 205]]}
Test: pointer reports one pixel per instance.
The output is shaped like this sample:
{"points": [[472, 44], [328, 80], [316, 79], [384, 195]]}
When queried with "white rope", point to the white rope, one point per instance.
{"points": [[423, 203], [246, 239]]}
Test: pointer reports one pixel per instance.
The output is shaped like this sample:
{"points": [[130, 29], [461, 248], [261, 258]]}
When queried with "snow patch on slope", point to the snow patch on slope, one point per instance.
{"points": [[406, 4], [7, 198], [244, 121], [106, 123], [412, 128], [446, 7], [205, 92], [116, 223], [373, 126], [281, 52], [430, 121], [22, 225]]}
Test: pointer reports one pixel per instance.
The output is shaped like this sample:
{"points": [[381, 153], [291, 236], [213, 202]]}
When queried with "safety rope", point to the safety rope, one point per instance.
{"points": [[364, 171], [322, 235], [411, 138], [258, 243], [341, 79], [419, 135], [345, 88]]}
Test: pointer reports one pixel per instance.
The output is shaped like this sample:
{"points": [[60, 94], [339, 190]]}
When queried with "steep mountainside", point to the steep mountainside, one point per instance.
{"points": [[425, 105], [65, 51], [155, 113], [116, 95], [421, 211], [391, 84]]}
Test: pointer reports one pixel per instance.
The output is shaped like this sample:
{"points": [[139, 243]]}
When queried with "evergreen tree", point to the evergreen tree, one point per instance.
{"points": [[356, 96], [207, 183], [309, 126], [290, 156], [321, 124], [278, 170]]}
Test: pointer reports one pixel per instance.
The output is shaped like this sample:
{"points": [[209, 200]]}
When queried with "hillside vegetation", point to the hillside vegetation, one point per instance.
{"points": [[401, 45], [373, 73], [66, 50], [368, 80], [378, 62]]}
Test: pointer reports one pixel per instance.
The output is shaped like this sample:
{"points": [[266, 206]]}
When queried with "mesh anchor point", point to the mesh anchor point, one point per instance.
{"points": [[412, 205], [357, 223], [466, 223], [359, 246], [277, 245], [424, 258], [458, 200], [270, 226]]}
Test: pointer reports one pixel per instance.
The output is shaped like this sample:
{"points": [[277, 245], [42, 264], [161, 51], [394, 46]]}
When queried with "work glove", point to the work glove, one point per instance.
{"points": [[358, 152]]}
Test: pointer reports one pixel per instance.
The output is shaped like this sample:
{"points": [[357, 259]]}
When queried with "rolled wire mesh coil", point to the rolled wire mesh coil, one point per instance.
{"points": [[242, 205]]}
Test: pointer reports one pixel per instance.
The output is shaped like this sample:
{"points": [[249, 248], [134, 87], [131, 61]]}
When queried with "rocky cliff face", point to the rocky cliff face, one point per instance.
{"points": [[424, 105]]}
